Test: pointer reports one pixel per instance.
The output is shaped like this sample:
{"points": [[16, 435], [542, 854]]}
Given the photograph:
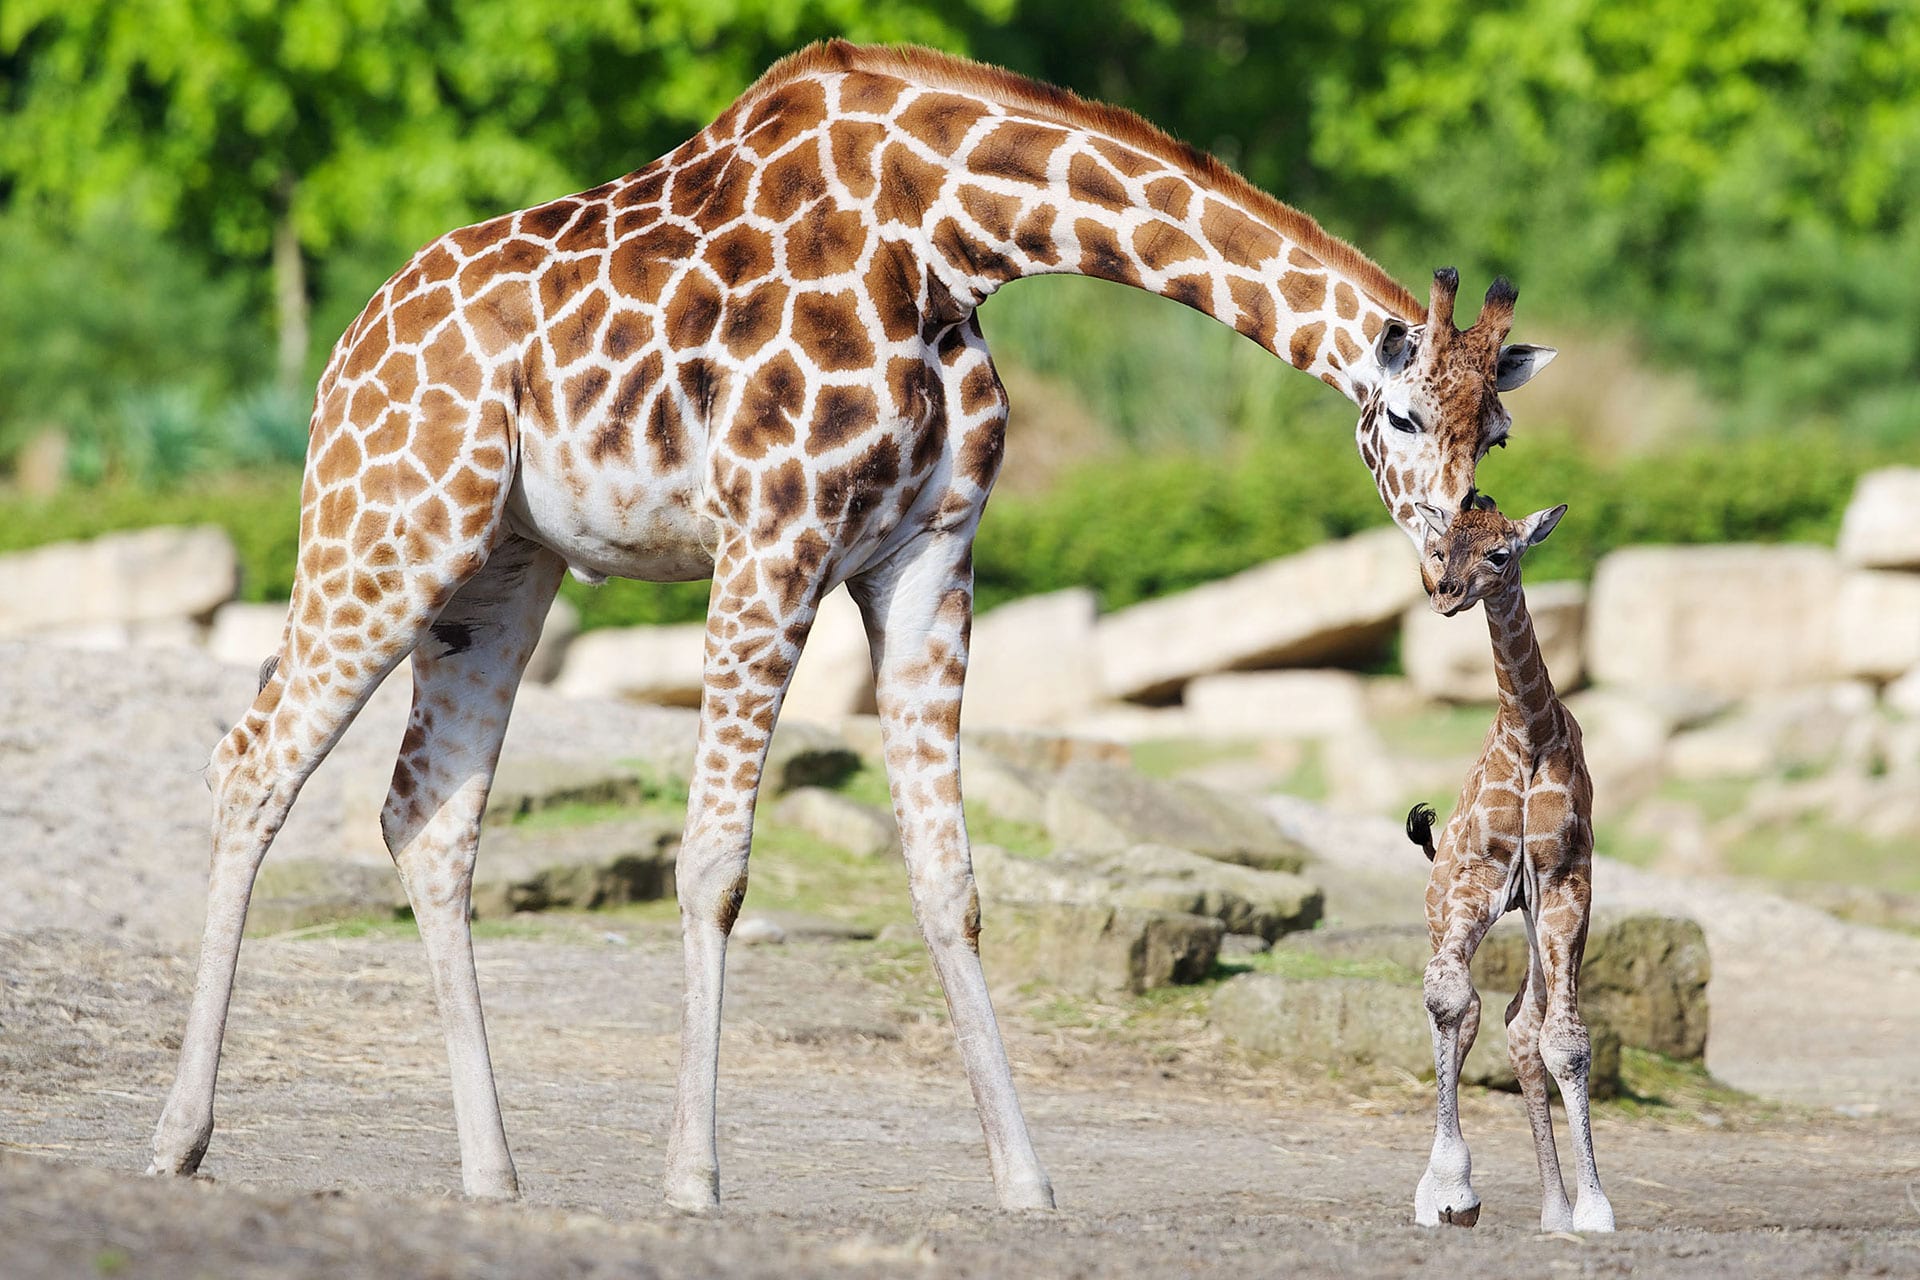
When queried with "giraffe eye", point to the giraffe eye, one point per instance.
{"points": [[1400, 422], [1498, 557]]}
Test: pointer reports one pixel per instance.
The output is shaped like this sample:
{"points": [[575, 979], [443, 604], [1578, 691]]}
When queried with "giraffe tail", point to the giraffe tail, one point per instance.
{"points": [[1420, 828]]}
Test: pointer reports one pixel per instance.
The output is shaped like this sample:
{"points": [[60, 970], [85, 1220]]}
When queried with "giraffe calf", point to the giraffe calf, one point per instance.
{"points": [[1521, 838]]}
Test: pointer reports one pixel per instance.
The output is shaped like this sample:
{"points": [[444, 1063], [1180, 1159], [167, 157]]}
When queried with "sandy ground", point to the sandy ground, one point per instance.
{"points": [[848, 1137], [848, 1140]]}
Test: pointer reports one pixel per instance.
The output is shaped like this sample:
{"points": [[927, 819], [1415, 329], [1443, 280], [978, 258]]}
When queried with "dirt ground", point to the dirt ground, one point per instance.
{"points": [[848, 1140]]}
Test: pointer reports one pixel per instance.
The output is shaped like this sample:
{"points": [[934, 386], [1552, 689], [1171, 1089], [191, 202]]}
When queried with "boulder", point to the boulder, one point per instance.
{"points": [[1276, 704], [1903, 695], [1625, 739], [835, 674], [1336, 601], [1791, 730], [1006, 791], [1033, 662], [1451, 659], [1879, 623], [1733, 620], [1644, 976], [1101, 808], [1096, 950], [298, 893], [642, 664], [804, 754], [1879, 530], [118, 579], [557, 634], [1156, 878], [841, 821], [1374, 1022], [245, 634], [599, 864], [526, 783], [1042, 752]]}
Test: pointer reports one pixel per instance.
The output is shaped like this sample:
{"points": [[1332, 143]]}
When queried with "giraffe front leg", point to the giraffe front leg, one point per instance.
{"points": [[1565, 1046], [919, 610], [1524, 1018], [756, 623], [465, 676]]}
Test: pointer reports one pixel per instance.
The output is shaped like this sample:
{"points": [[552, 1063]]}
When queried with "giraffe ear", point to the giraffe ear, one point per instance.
{"points": [[1394, 347], [1535, 528], [1437, 520], [1519, 361]]}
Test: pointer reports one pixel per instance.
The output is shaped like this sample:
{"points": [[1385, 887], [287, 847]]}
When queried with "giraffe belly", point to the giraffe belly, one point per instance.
{"points": [[616, 526]]}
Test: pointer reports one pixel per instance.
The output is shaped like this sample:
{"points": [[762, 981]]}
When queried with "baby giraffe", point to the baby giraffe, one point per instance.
{"points": [[1521, 836]]}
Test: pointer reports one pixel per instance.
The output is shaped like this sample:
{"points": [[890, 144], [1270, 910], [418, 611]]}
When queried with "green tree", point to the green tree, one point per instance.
{"points": [[266, 131]]}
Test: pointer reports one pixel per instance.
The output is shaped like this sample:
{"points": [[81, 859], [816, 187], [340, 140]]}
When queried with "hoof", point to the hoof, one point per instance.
{"points": [[1460, 1217], [695, 1193], [492, 1186], [1028, 1195], [1590, 1216]]}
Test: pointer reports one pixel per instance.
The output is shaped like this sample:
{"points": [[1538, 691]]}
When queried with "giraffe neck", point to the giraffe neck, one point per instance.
{"points": [[1527, 698], [995, 183]]}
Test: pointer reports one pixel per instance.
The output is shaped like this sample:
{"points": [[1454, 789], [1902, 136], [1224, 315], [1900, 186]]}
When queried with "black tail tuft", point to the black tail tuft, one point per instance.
{"points": [[1420, 828]]}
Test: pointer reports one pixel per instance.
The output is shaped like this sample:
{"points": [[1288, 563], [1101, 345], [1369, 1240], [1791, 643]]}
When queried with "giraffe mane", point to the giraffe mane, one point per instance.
{"points": [[933, 69]]}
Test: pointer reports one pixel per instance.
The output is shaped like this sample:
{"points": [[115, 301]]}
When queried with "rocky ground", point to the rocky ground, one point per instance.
{"points": [[848, 1139]]}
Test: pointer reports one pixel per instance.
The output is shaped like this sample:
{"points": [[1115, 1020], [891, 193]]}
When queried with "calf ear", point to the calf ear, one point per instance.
{"points": [[1518, 363], [1437, 520], [1535, 528]]}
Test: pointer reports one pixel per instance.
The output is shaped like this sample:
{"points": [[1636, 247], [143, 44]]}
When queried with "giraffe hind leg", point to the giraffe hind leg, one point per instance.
{"points": [[464, 681]]}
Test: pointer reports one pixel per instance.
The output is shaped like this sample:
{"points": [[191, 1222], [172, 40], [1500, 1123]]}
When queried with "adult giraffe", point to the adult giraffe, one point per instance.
{"points": [[756, 359]]}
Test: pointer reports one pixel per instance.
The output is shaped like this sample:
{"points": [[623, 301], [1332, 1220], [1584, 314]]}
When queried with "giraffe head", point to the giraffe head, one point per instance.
{"points": [[1476, 553], [1436, 410]]}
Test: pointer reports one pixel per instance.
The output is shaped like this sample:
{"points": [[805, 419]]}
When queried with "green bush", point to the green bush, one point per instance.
{"points": [[1148, 524]]}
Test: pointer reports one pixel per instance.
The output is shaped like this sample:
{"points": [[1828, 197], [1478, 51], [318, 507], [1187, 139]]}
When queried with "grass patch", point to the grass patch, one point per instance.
{"points": [[585, 815], [1715, 798], [1445, 733], [1812, 850], [1168, 757], [1289, 962], [1652, 1084], [1308, 779]]}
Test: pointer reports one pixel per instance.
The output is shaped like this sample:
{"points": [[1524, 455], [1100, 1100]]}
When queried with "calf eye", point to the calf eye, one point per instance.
{"points": [[1400, 422], [1498, 558]]}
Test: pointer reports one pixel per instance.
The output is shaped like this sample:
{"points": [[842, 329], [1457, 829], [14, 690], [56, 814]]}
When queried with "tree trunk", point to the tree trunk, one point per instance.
{"points": [[291, 306]]}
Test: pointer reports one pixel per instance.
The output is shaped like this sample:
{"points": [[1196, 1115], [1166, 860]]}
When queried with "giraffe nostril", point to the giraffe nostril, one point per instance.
{"points": [[1449, 586]]}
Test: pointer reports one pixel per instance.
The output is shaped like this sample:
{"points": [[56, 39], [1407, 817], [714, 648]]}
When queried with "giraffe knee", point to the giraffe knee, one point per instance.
{"points": [[1448, 989], [727, 910], [1567, 1051], [949, 908]]}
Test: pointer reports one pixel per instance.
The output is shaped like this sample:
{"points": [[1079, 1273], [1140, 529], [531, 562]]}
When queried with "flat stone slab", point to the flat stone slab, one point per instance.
{"points": [[862, 829], [1156, 878], [1099, 808], [1375, 1022], [1094, 950], [299, 893], [601, 864]]}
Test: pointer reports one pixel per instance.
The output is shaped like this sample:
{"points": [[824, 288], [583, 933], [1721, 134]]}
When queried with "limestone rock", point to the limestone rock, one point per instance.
{"points": [[1276, 704], [842, 821], [1728, 619], [642, 664], [1033, 662], [1451, 659], [1004, 790], [1645, 976], [246, 635], [557, 634], [1042, 752], [1625, 739], [835, 674], [1337, 600], [118, 579], [1095, 950], [1879, 530], [1789, 730], [1879, 623], [803, 754], [297, 893], [600, 864], [1102, 808], [526, 783], [1373, 1022], [1157, 878]]}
